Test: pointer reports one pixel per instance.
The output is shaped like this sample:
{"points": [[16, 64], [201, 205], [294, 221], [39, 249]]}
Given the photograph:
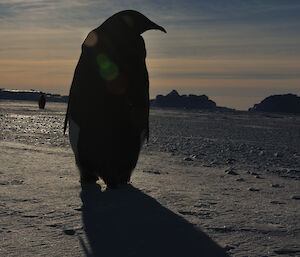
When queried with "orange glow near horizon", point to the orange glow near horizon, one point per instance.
{"points": [[55, 76]]}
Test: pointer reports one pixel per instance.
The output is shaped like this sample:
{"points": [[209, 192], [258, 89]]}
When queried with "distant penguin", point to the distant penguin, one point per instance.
{"points": [[42, 101], [108, 108]]}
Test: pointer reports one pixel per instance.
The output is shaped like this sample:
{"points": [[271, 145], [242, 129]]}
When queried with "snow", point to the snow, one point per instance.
{"points": [[201, 187]]}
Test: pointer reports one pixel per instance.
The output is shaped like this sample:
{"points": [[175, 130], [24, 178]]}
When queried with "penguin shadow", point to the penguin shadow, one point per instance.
{"points": [[127, 222]]}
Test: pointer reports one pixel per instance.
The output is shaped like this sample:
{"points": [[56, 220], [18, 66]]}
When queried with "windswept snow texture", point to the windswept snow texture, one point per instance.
{"points": [[234, 175]]}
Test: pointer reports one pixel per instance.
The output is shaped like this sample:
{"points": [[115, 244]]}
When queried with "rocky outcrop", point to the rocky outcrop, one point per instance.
{"points": [[174, 100], [288, 103]]}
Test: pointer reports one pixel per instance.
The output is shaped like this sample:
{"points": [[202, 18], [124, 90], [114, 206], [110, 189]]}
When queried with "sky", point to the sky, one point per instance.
{"points": [[237, 52]]}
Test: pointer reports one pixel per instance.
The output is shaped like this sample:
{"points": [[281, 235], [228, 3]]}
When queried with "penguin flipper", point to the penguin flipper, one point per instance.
{"points": [[66, 123]]}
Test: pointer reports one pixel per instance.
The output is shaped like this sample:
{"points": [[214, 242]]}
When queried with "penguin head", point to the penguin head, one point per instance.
{"points": [[138, 22], [124, 24], [133, 21]]}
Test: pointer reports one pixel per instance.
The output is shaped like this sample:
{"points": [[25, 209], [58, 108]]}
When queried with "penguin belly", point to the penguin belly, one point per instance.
{"points": [[74, 131], [84, 162]]}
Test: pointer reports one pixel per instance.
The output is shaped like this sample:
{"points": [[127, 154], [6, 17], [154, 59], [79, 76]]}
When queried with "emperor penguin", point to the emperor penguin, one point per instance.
{"points": [[108, 107]]}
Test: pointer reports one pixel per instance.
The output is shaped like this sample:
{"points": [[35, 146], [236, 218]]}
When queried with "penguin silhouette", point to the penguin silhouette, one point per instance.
{"points": [[108, 108], [42, 100]]}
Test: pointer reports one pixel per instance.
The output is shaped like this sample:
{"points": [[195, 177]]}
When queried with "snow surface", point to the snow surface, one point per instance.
{"points": [[206, 184]]}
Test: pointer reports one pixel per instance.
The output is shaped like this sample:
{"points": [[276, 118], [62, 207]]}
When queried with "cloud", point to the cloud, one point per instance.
{"points": [[170, 12]]}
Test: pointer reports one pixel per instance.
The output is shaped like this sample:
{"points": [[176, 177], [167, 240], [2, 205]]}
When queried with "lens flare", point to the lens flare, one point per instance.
{"points": [[91, 39], [107, 69]]}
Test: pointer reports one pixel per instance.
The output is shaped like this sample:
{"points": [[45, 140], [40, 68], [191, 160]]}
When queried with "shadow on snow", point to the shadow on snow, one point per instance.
{"points": [[127, 222]]}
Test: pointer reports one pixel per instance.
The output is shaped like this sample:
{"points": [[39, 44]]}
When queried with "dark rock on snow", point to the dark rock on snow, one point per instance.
{"points": [[231, 172], [252, 189]]}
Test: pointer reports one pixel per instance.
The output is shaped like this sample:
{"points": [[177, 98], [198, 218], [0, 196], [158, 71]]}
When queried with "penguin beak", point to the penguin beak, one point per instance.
{"points": [[161, 29], [153, 25]]}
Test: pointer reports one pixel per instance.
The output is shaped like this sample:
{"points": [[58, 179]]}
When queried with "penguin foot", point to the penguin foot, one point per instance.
{"points": [[116, 185], [88, 179], [115, 180]]}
